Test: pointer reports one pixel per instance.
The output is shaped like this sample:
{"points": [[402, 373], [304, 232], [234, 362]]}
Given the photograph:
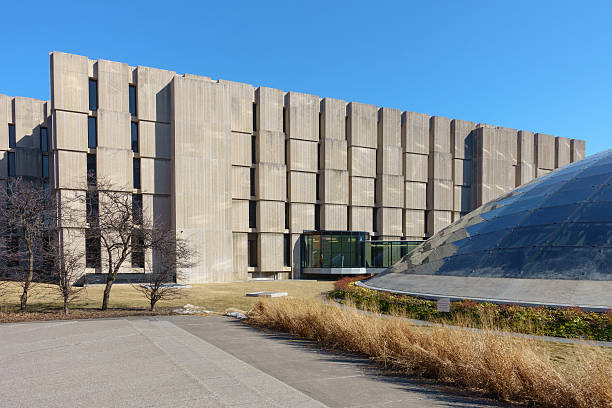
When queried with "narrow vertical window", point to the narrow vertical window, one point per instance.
{"points": [[254, 117], [135, 137], [252, 181], [93, 95], [92, 249], [252, 250], [317, 187], [137, 208], [287, 250], [286, 215], [92, 132], [136, 171], [133, 100], [317, 216], [91, 170], [285, 120], [11, 164], [138, 255], [92, 207], [253, 149], [252, 214], [12, 137], [44, 139], [45, 166], [375, 220]]}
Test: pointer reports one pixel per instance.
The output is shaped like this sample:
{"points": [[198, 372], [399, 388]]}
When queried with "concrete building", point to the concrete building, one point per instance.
{"points": [[242, 171]]}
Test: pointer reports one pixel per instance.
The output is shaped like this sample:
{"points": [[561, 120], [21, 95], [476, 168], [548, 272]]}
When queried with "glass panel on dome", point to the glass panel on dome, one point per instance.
{"points": [[549, 215], [582, 234], [504, 263], [594, 212], [561, 263], [528, 236], [460, 265]]}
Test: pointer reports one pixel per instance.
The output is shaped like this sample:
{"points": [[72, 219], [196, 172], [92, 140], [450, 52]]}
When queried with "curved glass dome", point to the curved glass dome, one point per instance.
{"points": [[558, 226]]}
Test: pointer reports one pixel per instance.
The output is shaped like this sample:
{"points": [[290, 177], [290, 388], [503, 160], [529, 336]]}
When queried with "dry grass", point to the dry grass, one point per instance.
{"points": [[518, 370], [213, 296]]}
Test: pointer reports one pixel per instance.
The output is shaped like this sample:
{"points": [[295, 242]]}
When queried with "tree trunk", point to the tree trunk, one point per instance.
{"points": [[109, 283], [28, 280], [152, 304], [65, 306]]}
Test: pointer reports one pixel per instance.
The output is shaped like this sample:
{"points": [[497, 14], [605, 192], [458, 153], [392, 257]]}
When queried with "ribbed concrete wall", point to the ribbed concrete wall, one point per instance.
{"points": [[211, 150]]}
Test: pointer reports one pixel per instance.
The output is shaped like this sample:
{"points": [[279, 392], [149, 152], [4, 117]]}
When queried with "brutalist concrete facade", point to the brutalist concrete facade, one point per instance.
{"points": [[243, 171]]}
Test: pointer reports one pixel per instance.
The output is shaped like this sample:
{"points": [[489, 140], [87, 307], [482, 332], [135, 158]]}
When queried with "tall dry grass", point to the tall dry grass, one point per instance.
{"points": [[506, 368]]}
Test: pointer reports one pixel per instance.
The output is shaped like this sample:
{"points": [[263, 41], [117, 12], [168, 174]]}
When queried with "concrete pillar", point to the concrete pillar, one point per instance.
{"points": [[439, 182], [415, 143], [362, 139], [577, 150]]}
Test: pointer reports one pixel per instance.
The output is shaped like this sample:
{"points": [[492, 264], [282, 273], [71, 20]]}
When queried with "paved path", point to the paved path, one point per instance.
{"points": [[189, 361]]}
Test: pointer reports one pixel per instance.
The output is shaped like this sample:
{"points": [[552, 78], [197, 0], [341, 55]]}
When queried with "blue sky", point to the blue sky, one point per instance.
{"points": [[544, 66]]}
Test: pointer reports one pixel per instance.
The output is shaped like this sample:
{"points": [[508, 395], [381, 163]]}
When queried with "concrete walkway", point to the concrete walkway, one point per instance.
{"points": [[182, 361]]}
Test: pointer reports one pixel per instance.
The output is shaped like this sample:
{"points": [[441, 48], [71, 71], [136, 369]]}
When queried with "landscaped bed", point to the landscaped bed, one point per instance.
{"points": [[545, 321]]}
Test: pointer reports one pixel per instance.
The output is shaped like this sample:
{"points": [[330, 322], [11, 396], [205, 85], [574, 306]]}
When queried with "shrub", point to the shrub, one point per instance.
{"points": [[546, 321]]}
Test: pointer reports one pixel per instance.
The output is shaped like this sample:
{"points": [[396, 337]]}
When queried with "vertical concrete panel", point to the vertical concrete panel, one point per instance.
{"points": [[240, 256], [114, 130], [562, 152], [241, 182], [362, 162], [301, 217], [113, 80], [416, 167], [461, 141], [6, 117], [415, 132], [390, 191], [440, 194], [334, 185], [270, 181], [389, 127], [29, 116], [333, 154], [462, 172], [240, 216], [544, 151], [438, 220], [201, 205], [439, 134], [155, 176], [69, 130], [389, 221], [414, 224], [73, 169], [302, 187], [69, 82], [416, 196], [242, 98], [270, 248], [577, 150], [362, 125], [333, 119], [360, 219], [526, 147], [270, 104], [270, 216], [389, 160], [440, 166], [302, 155], [270, 147], [334, 217], [361, 191], [115, 167], [155, 140], [153, 99], [302, 116]]}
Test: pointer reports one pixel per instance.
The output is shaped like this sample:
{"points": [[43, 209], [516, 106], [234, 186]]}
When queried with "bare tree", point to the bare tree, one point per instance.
{"points": [[120, 228], [67, 264], [172, 256], [27, 214]]}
